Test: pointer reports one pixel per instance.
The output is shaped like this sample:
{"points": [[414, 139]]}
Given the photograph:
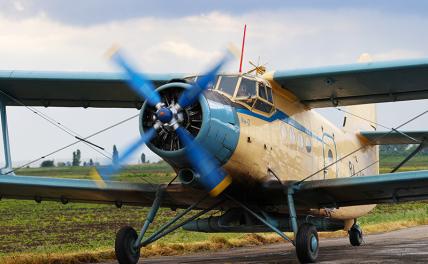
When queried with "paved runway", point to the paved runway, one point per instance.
{"points": [[403, 246]]}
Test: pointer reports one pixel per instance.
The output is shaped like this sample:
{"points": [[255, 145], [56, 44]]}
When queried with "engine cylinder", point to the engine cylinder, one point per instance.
{"points": [[213, 123]]}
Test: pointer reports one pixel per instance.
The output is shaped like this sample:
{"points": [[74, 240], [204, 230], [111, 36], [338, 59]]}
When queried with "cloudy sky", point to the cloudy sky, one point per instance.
{"points": [[185, 36]]}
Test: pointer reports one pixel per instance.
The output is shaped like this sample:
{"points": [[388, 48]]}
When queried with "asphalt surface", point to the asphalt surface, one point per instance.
{"points": [[403, 246]]}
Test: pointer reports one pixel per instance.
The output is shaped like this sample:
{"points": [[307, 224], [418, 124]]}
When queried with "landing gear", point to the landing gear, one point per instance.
{"points": [[126, 252], [307, 243], [128, 243], [355, 235]]}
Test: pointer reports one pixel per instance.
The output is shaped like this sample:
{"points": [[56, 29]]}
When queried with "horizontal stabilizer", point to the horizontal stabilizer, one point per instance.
{"points": [[394, 137]]}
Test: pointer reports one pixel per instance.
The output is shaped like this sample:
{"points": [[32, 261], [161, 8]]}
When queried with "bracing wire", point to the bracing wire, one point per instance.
{"points": [[78, 141], [73, 143], [59, 125], [370, 142]]}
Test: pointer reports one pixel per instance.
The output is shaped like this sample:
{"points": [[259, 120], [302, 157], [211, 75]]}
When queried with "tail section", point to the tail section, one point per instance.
{"points": [[363, 118], [360, 118]]}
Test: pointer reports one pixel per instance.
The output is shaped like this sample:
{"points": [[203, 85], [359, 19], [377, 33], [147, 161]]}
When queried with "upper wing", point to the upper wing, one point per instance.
{"points": [[384, 188], [76, 190], [394, 137], [72, 89], [360, 83]]}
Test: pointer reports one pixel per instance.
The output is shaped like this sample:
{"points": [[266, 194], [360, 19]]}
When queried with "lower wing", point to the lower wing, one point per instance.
{"points": [[384, 188], [119, 193]]}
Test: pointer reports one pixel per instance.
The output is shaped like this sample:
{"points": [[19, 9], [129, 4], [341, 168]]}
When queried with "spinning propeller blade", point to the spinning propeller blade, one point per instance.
{"points": [[202, 83], [100, 175], [212, 177], [136, 80]]}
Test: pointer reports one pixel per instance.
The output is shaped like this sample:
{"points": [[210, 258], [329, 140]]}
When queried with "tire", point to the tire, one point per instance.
{"points": [[124, 246], [355, 235], [307, 243]]}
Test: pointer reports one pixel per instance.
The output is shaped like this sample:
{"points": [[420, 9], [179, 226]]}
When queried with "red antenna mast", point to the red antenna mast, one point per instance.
{"points": [[242, 49]]}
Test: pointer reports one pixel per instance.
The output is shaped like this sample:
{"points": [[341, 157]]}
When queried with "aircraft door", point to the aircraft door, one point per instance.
{"points": [[330, 156]]}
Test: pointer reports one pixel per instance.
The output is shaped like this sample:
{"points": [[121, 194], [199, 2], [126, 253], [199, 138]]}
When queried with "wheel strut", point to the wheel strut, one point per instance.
{"points": [[128, 244]]}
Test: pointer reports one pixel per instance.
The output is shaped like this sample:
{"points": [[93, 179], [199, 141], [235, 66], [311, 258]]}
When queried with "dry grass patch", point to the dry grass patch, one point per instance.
{"points": [[174, 249]]}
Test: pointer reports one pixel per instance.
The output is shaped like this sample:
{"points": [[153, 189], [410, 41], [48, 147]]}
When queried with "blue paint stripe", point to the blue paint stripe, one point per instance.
{"points": [[279, 115]]}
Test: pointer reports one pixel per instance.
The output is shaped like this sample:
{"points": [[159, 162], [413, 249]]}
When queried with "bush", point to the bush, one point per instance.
{"points": [[47, 163]]}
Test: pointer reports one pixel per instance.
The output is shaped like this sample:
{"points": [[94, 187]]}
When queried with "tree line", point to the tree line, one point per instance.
{"points": [[77, 160]]}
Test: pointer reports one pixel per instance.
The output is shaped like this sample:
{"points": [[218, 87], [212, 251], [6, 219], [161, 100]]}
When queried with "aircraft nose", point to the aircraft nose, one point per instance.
{"points": [[164, 115], [213, 123]]}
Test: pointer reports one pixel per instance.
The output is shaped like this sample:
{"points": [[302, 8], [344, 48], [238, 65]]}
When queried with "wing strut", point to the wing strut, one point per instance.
{"points": [[411, 155], [4, 128]]}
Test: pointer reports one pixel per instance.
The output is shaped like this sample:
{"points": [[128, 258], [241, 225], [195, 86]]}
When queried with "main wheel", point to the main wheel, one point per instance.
{"points": [[355, 235], [307, 244], [124, 248]]}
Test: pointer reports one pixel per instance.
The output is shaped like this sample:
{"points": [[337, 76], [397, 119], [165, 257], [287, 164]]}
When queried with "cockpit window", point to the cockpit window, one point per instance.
{"points": [[262, 106], [228, 84], [265, 93], [247, 89], [269, 94], [262, 91]]}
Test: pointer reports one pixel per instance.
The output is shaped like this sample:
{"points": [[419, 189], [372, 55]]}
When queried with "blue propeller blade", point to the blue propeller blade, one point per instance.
{"points": [[202, 83], [137, 81], [105, 173], [212, 177]]}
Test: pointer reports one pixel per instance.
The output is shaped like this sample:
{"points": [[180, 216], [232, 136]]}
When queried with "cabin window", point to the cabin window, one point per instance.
{"points": [[308, 145], [228, 84], [330, 156]]}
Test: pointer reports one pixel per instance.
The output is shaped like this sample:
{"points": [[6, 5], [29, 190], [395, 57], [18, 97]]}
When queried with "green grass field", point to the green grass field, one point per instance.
{"points": [[50, 227]]}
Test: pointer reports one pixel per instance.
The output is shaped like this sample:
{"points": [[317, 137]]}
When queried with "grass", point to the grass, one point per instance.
{"points": [[54, 233]]}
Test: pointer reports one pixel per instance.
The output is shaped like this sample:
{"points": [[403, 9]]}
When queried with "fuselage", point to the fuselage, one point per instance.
{"points": [[260, 132]]}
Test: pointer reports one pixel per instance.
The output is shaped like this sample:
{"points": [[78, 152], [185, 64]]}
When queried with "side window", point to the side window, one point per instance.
{"points": [[308, 145], [228, 84], [262, 91], [269, 94], [330, 156], [266, 104]]}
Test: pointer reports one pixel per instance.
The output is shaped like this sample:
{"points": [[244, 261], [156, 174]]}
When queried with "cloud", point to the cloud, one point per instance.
{"points": [[18, 6], [285, 38]]}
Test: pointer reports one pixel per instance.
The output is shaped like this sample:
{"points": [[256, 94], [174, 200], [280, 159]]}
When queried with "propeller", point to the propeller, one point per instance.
{"points": [[136, 80], [212, 177]]}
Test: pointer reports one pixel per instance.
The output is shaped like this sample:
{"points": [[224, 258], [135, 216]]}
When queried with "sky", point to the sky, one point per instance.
{"points": [[186, 36]]}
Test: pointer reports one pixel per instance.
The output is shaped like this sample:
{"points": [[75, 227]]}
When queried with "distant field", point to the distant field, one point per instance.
{"points": [[30, 228]]}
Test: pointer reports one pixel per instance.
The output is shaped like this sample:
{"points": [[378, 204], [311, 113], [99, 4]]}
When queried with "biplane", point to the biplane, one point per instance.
{"points": [[247, 144]]}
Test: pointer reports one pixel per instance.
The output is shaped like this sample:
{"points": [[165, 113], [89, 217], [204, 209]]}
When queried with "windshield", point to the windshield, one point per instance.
{"points": [[247, 88], [228, 84]]}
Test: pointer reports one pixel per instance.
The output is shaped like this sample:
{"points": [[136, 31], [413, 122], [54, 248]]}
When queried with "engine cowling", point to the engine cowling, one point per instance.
{"points": [[211, 120]]}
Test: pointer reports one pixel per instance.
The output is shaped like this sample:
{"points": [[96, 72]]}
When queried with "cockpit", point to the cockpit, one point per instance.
{"points": [[253, 93]]}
